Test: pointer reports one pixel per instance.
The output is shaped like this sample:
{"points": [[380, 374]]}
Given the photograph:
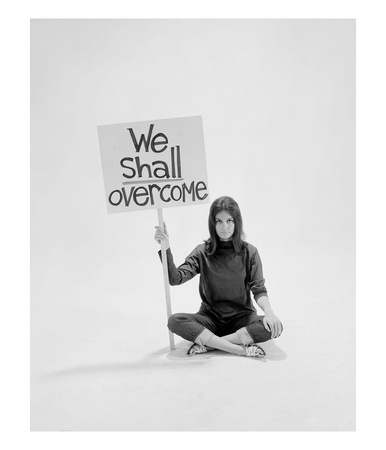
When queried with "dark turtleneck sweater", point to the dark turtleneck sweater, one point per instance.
{"points": [[227, 278]]}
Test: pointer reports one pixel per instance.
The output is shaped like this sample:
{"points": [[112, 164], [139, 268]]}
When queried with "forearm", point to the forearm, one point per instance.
{"points": [[183, 273], [264, 304], [174, 276]]}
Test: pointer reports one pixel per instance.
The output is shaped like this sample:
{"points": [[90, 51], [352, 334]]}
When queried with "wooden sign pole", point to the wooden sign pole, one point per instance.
{"points": [[166, 277]]}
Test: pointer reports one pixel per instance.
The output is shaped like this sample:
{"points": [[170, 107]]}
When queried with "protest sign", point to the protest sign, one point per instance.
{"points": [[153, 164]]}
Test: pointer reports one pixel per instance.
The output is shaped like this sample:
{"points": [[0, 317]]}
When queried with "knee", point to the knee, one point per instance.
{"points": [[258, 331], [175, 321], [264, 336]]}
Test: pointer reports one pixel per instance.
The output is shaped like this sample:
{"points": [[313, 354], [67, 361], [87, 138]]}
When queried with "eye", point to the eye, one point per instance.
{"points": [[218, 221], [230, 220]]}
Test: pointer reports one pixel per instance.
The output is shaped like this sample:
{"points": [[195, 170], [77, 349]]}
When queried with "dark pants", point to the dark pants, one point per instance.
{"points": [[190, 326]]}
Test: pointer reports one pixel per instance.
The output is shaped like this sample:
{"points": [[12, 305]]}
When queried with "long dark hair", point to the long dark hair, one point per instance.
{"points": [[229, 205]]}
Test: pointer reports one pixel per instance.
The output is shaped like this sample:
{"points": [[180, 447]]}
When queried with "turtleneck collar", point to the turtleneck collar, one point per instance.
{"points": [[225, 244]]}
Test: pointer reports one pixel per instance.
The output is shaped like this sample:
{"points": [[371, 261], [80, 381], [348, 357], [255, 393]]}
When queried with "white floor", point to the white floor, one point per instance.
{"points": [[98, 372]]}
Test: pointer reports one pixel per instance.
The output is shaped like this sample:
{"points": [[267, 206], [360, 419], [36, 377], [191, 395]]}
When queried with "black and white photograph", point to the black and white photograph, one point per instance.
{"points": [[193, 224]]}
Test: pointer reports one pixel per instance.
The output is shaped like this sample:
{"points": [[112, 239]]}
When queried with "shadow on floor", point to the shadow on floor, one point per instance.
{"points": [[150, 361]]}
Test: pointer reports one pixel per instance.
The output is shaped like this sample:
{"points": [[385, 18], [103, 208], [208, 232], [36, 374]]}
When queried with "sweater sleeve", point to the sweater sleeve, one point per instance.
{"points": [[186, 271], [257, 281]]}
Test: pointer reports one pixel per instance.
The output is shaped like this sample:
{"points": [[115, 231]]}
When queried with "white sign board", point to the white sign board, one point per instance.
{"points": [[154, 164]]}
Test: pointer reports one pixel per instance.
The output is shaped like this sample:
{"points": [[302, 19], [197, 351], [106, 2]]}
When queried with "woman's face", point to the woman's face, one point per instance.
{"points": [[225, 226]]}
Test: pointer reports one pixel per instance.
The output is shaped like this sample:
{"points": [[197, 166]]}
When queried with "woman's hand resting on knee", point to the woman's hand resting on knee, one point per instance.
{"points": [[272, 323]]}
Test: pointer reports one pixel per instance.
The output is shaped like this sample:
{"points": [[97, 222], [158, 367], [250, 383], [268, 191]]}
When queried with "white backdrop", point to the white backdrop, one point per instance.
{"points": [[277, 99]]}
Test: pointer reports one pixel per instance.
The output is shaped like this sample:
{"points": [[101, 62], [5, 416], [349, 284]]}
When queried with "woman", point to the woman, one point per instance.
{"points": [[230, 271]]}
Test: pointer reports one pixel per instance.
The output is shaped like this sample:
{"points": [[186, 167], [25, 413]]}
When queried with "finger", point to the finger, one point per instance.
{"points": [[266, 326], [280, 328], [270, 328], [159, 236], [275, 328]]}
